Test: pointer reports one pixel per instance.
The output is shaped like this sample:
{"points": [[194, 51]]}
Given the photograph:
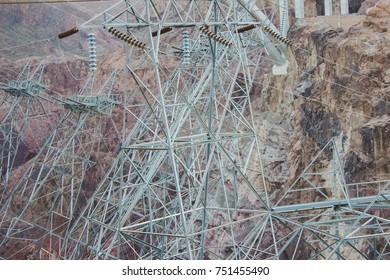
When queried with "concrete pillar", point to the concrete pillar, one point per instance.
{"points": [[299, 9], [344, 7], [328, 7]]}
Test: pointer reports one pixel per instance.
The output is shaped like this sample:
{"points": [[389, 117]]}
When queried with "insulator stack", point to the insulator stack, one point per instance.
{"points": [[215, 37], [92, 52], [162, 31], [67, 33], [126, 38], [278, 36], [186, 47], [245, 28]]}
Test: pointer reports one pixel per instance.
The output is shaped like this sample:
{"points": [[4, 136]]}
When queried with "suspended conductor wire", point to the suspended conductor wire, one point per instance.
{"points": [[270, 2], [355, 92], [62, 10], [73, 15], [34, 42], [67, 65]]}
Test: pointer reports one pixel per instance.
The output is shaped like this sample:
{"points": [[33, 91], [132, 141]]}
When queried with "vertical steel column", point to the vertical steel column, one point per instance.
{"points": [[213, 47], [299, 9], [344, 7], [328, 7], [169, 142]]}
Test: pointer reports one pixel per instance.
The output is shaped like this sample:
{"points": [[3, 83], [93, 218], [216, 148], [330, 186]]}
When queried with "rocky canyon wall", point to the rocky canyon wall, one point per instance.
{"points": [[337, 86]]}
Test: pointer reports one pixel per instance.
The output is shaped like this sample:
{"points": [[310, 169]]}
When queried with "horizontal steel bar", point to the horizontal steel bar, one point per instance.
{"points": [[168, 24], [355, 202]]}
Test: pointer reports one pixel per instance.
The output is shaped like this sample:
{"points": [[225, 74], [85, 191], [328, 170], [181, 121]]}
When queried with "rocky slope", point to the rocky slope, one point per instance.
{"points": [[337, 86], [31, 30]]}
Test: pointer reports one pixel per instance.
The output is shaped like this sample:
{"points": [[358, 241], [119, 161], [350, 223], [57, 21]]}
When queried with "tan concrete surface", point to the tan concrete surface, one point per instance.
{"points": [[345, 22]]}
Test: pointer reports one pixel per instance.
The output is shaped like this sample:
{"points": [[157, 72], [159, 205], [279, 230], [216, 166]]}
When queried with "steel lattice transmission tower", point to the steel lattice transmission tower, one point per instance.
{"points": [[189, 174], [336, 219], [188, 181], [22, 101], [41, 206]]}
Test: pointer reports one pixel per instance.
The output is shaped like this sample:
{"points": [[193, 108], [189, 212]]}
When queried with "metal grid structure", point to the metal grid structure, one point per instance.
{"points": [[188, 181], [339, 220], [23, 100], [182, 170], [189, 176], [41, 206]]}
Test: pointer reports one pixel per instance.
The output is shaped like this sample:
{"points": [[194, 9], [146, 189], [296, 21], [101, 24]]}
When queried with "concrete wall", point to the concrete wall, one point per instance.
{"points": [[345, 21]]}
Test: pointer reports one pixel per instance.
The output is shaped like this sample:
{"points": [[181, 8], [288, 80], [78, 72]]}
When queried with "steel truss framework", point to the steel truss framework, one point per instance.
{"points": [[189, 177], [342, 220], [181, 170], [188, 181], [23, 100], [41, 206]]}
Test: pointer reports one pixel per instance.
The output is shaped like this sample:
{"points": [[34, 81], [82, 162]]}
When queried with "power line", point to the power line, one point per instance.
{"points": [[67, 66], [355, 92], [27, 44]]}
